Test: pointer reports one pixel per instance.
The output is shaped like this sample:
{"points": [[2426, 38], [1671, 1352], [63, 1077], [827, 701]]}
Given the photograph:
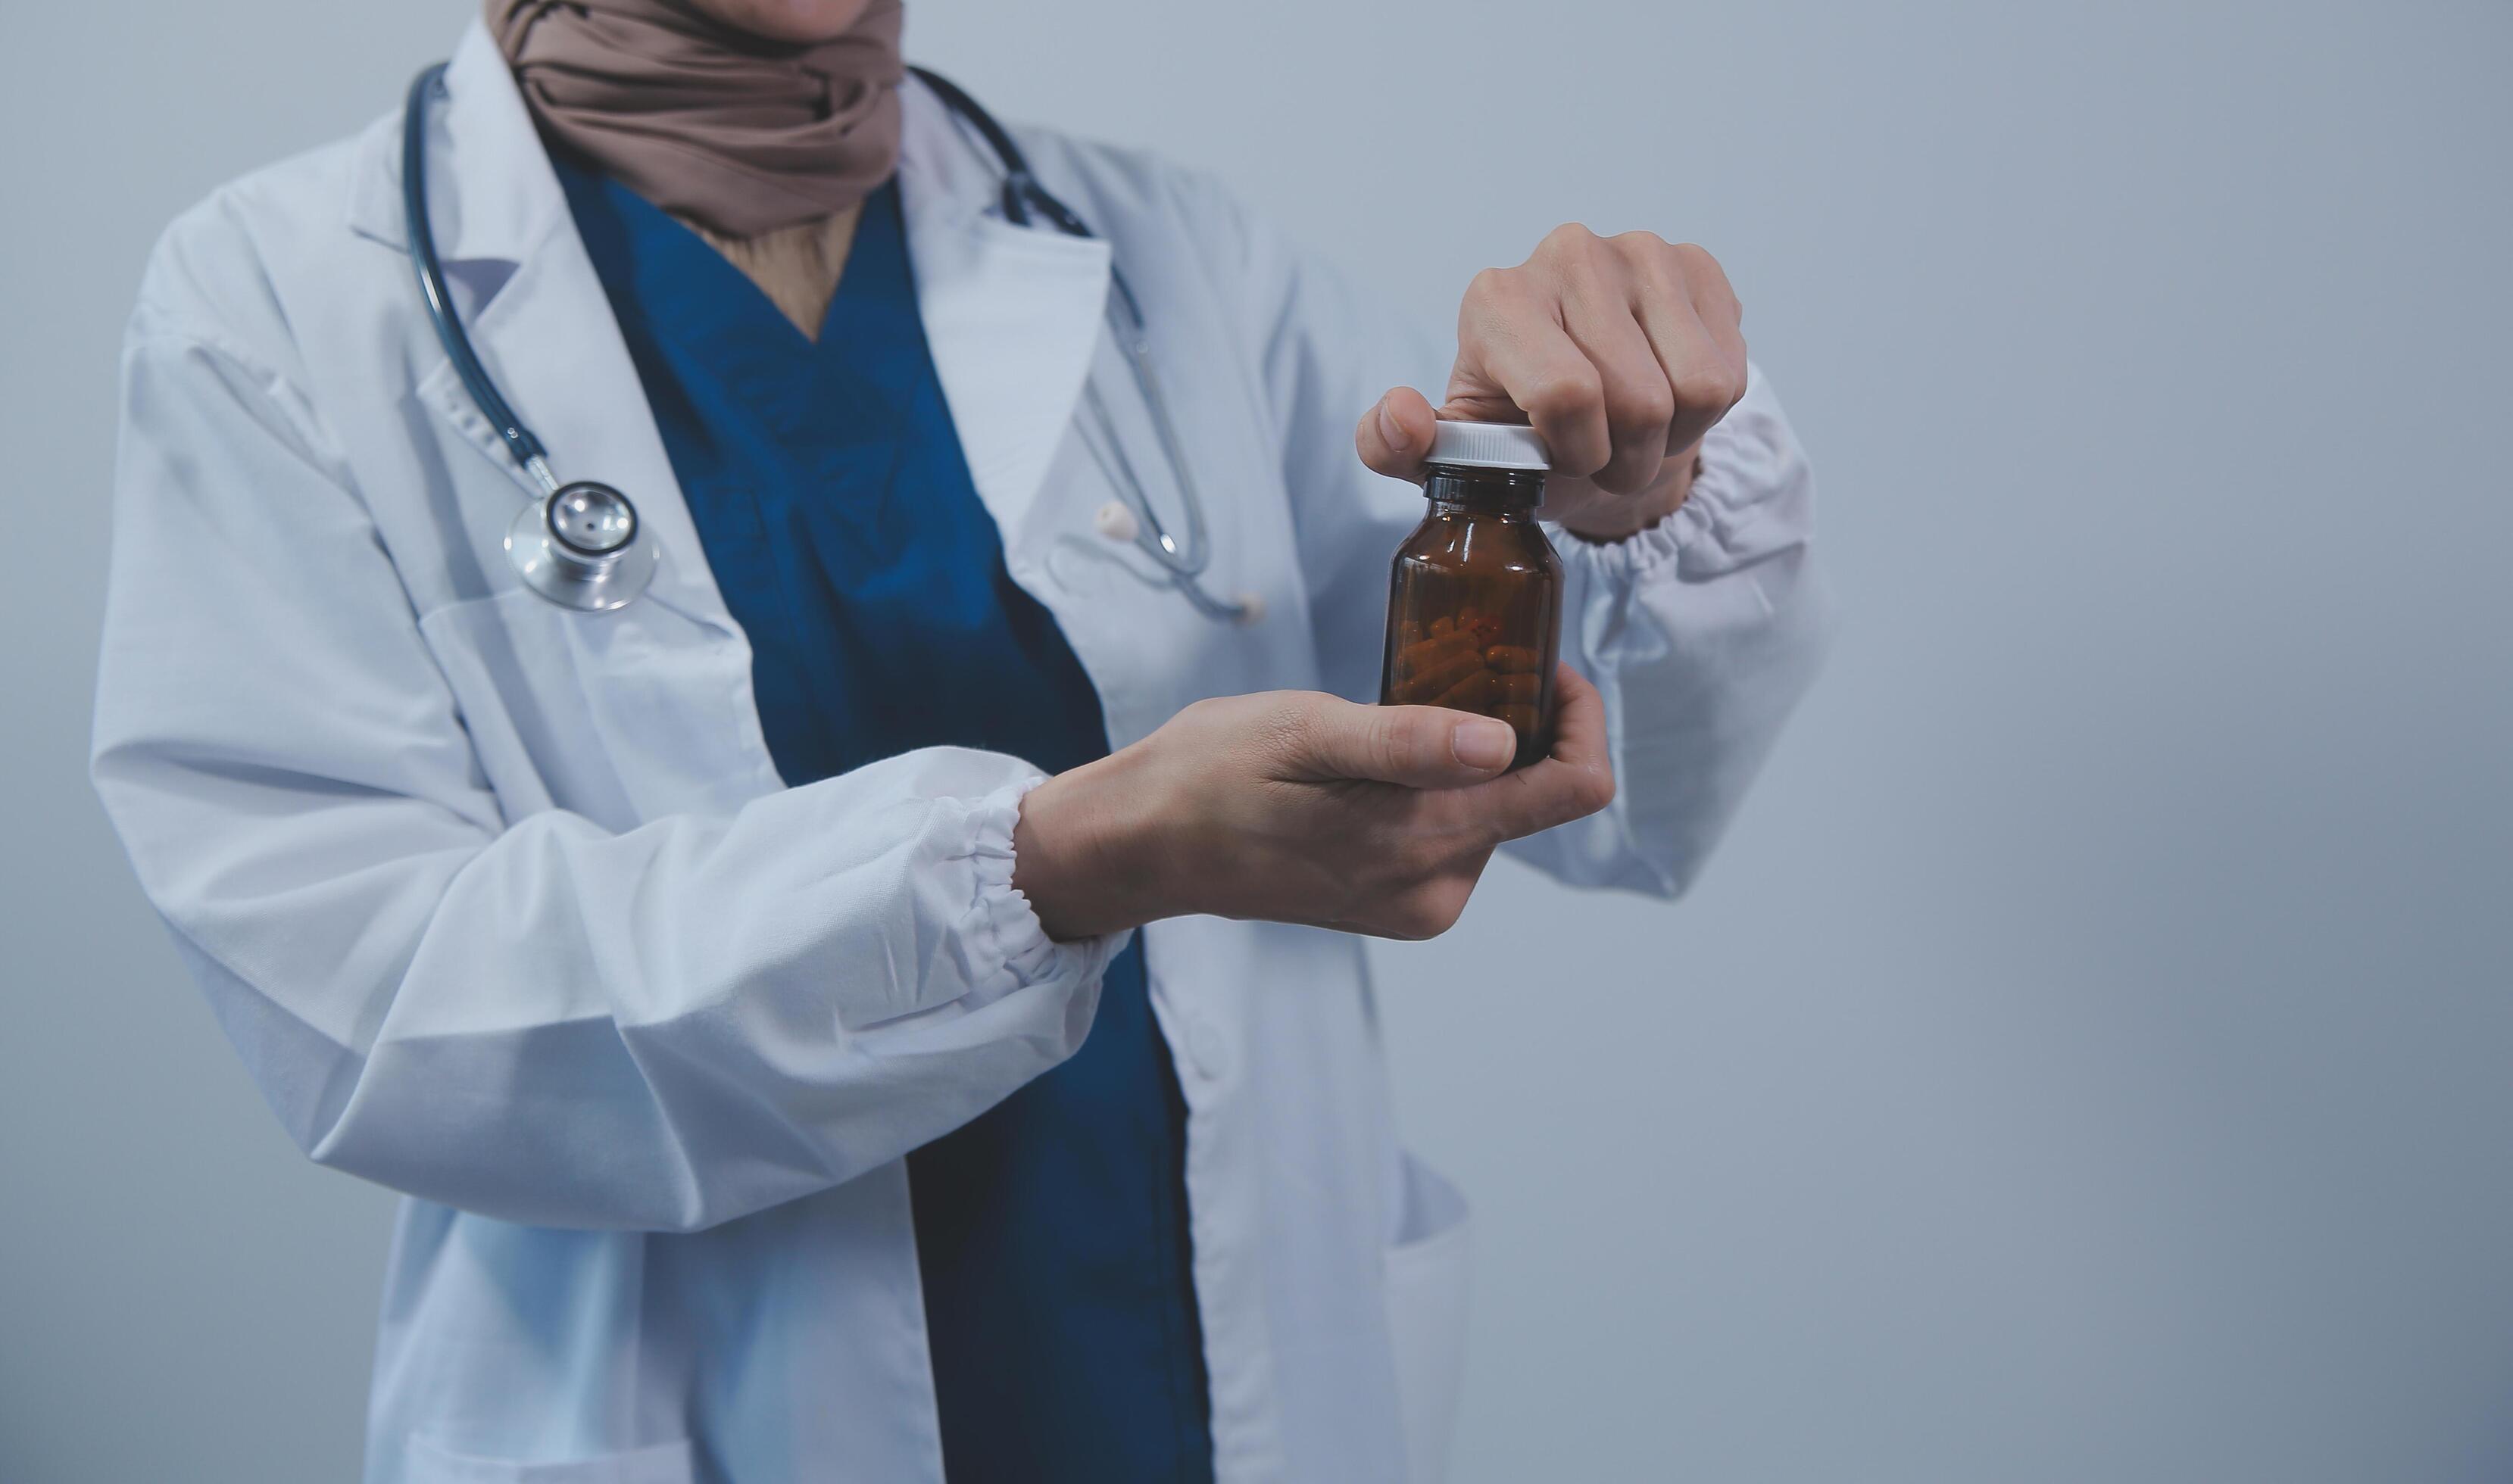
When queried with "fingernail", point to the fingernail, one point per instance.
{"points": [[1389, 433], [1484, 745]]}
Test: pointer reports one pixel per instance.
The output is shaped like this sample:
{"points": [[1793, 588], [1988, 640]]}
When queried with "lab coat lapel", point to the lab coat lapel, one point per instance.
{"points": [[546, 331], [1012, 313]]}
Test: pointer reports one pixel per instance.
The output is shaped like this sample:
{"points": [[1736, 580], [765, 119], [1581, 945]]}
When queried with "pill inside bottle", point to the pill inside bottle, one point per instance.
{"points": [[1474, 602]]}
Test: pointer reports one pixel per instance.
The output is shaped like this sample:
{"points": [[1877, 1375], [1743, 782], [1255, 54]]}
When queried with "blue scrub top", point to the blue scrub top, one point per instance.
{"points": [[838, 515]]}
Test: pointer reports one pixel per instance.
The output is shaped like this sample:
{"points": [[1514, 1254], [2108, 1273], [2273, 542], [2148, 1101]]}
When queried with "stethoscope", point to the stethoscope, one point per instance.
{"points": [[580, 544]]}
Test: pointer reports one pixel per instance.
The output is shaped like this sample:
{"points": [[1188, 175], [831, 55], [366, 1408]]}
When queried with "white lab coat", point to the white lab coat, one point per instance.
{"points": [[506, 907]]}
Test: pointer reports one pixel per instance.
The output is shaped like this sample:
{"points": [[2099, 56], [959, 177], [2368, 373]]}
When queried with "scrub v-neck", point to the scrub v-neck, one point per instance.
{"points": [[836, 510]]}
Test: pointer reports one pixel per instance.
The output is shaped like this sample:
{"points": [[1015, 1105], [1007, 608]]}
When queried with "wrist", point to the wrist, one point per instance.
{"points": [[1605, 528], [1083, 853]]}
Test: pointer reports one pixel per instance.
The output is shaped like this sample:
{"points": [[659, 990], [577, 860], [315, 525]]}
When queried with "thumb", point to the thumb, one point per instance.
{"points": [[1421, 747], [1395, 434]]}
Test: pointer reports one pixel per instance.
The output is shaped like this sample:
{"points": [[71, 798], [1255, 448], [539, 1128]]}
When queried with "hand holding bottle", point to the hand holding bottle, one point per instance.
{"points": [[1621, 352], [1296, 807]]}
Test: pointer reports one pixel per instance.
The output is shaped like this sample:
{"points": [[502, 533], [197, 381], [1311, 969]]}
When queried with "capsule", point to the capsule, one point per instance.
{"points": [[1428, 653], [1440, 676], [1473, 693]]}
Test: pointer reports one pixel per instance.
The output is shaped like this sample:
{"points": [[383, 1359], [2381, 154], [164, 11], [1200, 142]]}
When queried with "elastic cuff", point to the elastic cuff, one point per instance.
{"points": [[1001, 921], [1635, 555], [1726, 518]]}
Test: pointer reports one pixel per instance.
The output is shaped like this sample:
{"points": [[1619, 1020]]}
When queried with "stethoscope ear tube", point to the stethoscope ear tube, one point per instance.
{"points": [[422, 231]]}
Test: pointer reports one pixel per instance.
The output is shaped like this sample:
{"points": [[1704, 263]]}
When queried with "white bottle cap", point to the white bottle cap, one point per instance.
{"points": [[1488, 445]]}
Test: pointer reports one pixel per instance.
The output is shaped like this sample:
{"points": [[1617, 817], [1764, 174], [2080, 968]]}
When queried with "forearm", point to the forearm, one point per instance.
{"points": [[656, 1030], [1084, 855]]}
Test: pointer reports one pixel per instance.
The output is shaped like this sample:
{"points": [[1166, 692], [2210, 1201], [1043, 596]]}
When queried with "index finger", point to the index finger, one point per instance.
{"points": [[1573, 781]]}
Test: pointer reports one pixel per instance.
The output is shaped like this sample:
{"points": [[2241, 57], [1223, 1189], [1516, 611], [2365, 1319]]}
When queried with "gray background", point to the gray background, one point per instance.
{"points": [[2088, 1060]]}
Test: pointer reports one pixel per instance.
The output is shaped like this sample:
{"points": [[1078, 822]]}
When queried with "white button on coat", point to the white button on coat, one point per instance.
{"points": [[1116, 521]]}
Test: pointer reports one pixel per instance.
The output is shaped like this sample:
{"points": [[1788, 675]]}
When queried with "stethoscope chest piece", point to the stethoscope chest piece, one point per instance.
{"points": [[582, 546]]}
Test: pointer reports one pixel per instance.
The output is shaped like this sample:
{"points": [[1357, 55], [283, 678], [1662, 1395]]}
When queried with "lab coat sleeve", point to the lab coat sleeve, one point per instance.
{"points": [[543, 1021], [1700, 633]]}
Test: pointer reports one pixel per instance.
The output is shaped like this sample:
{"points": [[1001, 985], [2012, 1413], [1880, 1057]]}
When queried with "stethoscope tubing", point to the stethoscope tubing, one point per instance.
{"points": [[1022, 193], [441, 313], [1182, 561]]}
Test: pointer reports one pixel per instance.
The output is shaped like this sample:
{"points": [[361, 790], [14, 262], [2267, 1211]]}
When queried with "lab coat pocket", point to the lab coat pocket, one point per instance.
{"points": [[622, 717], [1427, 1279], [428, 1462]]}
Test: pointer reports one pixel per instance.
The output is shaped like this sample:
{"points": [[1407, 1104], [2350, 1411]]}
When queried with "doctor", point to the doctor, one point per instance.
{"points": [[882, 1001]]}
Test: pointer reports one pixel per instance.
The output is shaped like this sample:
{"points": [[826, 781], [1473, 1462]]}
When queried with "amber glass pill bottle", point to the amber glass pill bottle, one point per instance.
{"points": [[1474, 603]]}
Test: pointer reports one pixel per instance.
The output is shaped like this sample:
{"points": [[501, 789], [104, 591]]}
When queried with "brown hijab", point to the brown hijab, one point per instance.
{"points": [[739, 133]]}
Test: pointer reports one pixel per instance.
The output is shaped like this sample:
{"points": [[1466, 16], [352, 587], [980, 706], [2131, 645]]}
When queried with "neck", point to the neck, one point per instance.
{"points": [[798, 268]]}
